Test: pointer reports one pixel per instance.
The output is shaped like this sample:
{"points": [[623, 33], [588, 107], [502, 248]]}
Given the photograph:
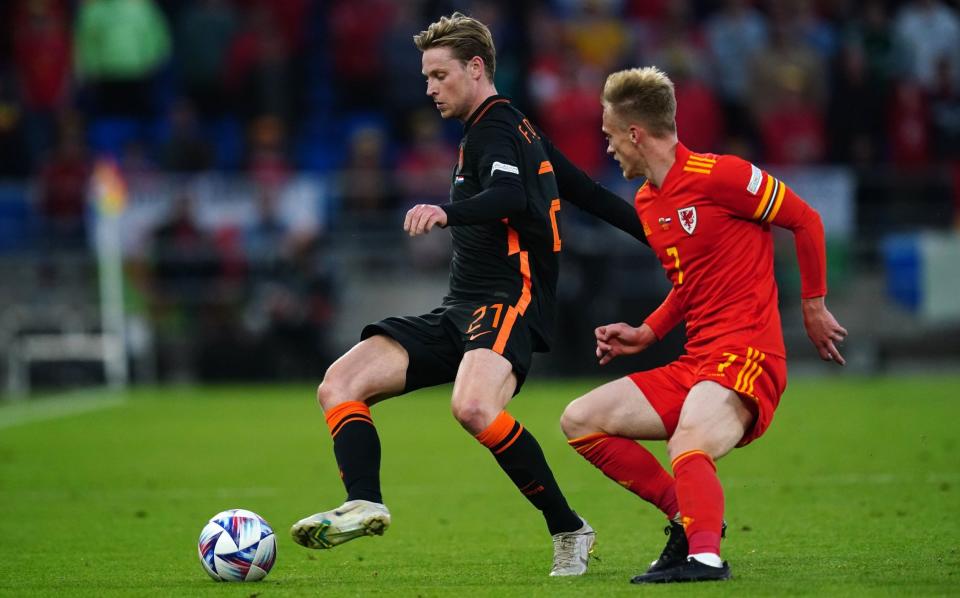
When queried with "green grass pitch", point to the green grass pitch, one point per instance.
{"points": [[855, 490]]}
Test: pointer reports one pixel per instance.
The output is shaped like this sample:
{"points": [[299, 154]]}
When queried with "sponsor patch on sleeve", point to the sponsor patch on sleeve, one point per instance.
{"points": [[504, 168], [756, 176]]}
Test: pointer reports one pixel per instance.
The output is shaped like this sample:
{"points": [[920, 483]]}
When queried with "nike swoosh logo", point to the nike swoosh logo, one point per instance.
{"points": [[478, 335]]}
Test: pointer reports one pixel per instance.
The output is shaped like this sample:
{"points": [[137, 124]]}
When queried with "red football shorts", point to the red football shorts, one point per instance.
{"points": [[757, 377]]}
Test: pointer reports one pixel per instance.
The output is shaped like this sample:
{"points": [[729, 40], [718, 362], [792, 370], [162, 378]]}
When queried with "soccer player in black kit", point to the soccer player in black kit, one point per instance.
{"points": [[504, 218]]}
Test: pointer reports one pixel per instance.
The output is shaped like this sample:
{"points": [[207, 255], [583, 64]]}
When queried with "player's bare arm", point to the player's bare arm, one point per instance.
{"points": [[823, 329], [614, 340], [421, 219]]}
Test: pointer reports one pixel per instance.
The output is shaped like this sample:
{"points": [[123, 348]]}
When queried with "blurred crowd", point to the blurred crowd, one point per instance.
{"points": [[273, 89], [269, 87]]}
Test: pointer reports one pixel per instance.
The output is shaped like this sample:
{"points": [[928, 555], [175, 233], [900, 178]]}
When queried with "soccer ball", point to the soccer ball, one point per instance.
{"points": [[237, 545]]}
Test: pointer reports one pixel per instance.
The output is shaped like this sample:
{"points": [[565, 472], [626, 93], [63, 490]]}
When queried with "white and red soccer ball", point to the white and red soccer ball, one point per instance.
{"points": [[237, 545]]}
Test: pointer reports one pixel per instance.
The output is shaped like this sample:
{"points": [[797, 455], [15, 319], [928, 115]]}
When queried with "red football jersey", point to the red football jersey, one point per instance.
{"points": [[709, 224]]}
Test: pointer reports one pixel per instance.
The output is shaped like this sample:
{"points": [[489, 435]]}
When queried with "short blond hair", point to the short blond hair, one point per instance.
{"points": [[465, 36], [643, 95]]}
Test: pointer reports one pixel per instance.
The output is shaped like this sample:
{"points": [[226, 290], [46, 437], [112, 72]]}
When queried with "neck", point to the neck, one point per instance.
{"points": [[660, 158], [484, 91]]}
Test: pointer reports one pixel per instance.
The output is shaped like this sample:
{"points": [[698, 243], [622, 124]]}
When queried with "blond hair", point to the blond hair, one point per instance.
{"points": [[643, 95], [465, 36]]}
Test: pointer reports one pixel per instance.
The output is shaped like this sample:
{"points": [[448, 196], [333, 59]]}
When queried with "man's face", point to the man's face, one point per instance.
{"points": [[449, 83], [620, 145]]}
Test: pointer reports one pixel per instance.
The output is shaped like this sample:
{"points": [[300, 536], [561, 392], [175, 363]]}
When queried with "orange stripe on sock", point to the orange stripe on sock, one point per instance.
{"points": [[687, 455], [339, 414], [585, 444], [497, 431], [510, 442]]}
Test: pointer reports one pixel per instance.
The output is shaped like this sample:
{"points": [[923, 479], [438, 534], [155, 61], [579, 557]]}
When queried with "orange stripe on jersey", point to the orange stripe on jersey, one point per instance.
{"points": [[525, 292], [777, 203], [513, 239], [545, 167], [699, 164], [765, 198], [490, 105], [513, 246]]}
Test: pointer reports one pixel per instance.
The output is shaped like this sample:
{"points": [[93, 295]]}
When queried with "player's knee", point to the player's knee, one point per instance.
{"points": [[689, 438], [332, 391], [575, 421], [473, 415]]}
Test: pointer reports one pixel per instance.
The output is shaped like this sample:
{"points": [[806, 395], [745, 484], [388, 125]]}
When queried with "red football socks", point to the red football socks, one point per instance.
{"points": [[632, 466], [701, 500]]}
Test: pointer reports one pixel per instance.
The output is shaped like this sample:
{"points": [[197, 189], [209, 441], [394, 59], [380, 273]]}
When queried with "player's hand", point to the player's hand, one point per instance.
{"points": [[423, 217], [614, 340], [823, 329]]}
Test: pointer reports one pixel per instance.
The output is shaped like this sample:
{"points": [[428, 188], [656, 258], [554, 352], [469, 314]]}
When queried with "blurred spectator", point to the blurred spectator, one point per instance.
{"points": [[138, 167], [736, 36], [674, 37], [855, 109], [42, 60], [507, 23], [120, 46], [289, 306], [205, 30], [927, 31], [186, 150], [425, 166], [678, 48], [945, 115], [405, 89], [184, 300], [873, 31], [600, 37], [793, 131], [268, 162], [423, 170], [62, 187], [184, 257], [358, 29], [908, 125], [14, 162], [258, 75], [787, 67], [547, 56], [366, 186], [816, 32], [571, 116], [699, 114]]}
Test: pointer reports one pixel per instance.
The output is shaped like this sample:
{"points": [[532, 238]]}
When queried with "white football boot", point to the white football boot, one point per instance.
{"points": [[572, 550], [352, 519]]}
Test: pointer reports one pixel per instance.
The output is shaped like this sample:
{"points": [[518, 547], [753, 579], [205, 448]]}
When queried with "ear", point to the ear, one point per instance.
{"points": [[635, 134], [476, 67]]}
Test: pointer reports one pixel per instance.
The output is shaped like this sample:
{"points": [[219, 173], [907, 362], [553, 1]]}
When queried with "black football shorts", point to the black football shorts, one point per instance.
{"points": [[435, 342]]}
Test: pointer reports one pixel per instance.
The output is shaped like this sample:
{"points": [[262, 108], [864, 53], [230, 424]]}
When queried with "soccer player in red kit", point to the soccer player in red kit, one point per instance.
{"points": [[708, 219]]}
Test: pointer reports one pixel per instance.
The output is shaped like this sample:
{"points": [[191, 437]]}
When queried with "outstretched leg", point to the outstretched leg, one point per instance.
{"points": [[373, 370]]}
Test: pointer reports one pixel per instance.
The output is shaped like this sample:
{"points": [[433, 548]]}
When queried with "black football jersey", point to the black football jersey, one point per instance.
{"points": [[511, 260]]}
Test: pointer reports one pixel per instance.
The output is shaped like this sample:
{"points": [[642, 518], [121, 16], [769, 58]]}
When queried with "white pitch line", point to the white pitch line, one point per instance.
{"points": [[68, 405]]}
